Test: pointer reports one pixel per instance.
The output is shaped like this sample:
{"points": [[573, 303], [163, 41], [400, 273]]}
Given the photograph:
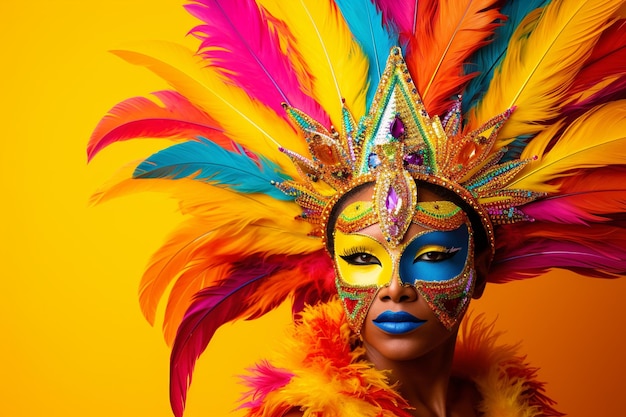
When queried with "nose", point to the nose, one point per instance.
{"points": [[397, 292]]}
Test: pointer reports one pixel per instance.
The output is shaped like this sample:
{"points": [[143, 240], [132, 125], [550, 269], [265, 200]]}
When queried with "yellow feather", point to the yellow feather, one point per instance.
{"points": [[248, 123], [595, 139], [229, 225], [540, 66], [243, 216], [328, 49]]}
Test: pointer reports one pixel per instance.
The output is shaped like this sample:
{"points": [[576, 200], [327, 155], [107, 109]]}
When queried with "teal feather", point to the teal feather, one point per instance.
{"points": [[488, 58], [205, 161], [516, 147], [376, 39]]}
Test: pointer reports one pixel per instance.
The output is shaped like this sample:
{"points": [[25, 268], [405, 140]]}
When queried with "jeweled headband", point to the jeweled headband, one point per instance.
{"points": [[396, 144]]}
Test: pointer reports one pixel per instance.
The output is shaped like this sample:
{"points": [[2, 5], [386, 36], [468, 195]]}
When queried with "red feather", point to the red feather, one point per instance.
{"points": [[614, 91], [590, 196], [212, 307], [608, 59], [139, 117], [251, 289]]}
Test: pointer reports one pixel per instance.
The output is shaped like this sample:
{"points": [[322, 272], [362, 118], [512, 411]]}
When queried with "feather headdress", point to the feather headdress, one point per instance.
{"points": [[286, 105]]}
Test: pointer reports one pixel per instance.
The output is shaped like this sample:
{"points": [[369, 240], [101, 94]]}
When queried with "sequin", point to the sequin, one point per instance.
{"points": [[398, 135]]}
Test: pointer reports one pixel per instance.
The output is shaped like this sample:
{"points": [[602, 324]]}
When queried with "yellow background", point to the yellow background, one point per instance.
{"points": [[73, 341]]}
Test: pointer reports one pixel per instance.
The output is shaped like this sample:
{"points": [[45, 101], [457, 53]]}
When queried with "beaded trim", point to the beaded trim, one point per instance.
{"points": [[396, 145], [440, 215]]}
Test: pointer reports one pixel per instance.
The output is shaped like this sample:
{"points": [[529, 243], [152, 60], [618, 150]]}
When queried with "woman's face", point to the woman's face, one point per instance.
{"points": [[406, 296]]}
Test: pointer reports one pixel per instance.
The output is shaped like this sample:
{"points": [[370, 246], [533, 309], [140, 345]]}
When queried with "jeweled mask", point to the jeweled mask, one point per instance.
{"points": [[437, 260]]}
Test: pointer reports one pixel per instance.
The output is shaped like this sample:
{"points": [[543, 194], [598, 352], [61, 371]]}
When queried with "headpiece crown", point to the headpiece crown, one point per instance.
{"points": [[394, 145]]}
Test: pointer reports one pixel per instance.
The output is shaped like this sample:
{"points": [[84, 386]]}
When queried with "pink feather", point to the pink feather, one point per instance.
{"points": [[590, 196], [401, 14], [264, 379], [212, 307], [139, 117], [593, 251], [238, 39], [576, 208], [253, 287]]}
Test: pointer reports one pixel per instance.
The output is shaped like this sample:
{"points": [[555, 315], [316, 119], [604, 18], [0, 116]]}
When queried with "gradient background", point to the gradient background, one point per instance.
{"points": [[73, 341]]}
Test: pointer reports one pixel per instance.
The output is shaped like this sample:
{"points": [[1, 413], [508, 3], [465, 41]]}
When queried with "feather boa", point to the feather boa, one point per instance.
{"points": [[319, 373]]}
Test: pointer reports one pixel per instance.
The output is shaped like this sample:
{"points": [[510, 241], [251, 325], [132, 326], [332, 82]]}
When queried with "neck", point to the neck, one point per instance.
{"points": [[424, 381]]}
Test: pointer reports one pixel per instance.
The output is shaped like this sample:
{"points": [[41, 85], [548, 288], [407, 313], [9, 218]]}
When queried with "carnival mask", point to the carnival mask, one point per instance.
{"points": [[437, 261]]}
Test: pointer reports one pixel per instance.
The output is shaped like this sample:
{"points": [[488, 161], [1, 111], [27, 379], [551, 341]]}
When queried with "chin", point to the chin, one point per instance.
{"points": [[421, 343]]}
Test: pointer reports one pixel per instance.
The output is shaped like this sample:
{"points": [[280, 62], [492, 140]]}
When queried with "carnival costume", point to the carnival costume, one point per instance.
{"points": [[287, 107]]}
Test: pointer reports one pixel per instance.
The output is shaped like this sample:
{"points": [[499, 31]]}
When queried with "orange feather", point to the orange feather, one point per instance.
{"points": [[447, 33]]}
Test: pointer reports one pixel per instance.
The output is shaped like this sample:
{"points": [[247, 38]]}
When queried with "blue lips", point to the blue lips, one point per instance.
{"points": [[397, 322]]}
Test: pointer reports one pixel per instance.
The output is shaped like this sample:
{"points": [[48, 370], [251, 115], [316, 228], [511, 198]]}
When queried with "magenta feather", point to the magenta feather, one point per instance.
{"points": [[595, 251], [577, 208], [401, 14], [541, 256], [238, 39], [264, 379], [139, 117], [212, 307], [590, 196], [239, 295], [614, 91]]}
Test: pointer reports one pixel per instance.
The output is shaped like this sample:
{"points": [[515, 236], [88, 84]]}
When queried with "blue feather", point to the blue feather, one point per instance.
{"points": [[516, 147], [488, 58], [203, 160], [376, 39]]}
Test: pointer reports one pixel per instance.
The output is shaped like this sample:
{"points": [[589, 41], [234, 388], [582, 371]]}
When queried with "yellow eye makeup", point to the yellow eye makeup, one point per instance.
{"points": [[361, 260], [430, 248]]}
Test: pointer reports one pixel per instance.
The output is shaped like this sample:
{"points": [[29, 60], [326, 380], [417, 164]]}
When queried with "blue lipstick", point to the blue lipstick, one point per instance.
{"points": [[397, 322]]}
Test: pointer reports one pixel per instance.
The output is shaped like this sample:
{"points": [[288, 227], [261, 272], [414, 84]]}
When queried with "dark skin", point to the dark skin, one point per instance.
{"points": [[421, 362]]}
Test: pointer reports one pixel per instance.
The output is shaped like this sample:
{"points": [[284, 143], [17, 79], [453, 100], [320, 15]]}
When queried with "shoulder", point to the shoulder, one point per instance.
{"points": [[508, 384]]}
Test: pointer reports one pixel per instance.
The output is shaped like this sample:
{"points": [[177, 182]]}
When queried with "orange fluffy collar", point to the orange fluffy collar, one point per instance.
{"points": [[318, 372]]}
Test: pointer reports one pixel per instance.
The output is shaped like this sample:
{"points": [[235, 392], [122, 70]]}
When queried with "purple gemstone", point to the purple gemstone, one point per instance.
{"points": [[392, 200], [394, 230], [414, 159], [397, 128]]}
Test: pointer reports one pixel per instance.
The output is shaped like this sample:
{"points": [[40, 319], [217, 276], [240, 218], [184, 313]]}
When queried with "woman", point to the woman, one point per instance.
{"points": [[308, 129], [402, 329]]}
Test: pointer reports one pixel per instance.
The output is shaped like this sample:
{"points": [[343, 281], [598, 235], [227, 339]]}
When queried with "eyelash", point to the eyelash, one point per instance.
{"points": [[446, 253], [349, 255], [354, 250]]}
